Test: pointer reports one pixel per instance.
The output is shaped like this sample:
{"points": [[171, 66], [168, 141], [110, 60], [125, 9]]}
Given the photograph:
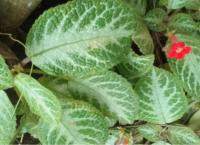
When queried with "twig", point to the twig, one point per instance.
{"points": [[20, 126], [21, 139], [25, 61], [34, 71], [12, 38], [15, 109]]}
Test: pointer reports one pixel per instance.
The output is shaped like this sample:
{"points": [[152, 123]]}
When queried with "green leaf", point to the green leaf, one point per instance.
{"points": [[160, 143], [139, 5], [182, 135], [81, 124], [183, 23], [61, 89], [7, 119], [162, 99], [28, 121], [196, 16], [81, 37], [22, 108], [58, 86], [151, 132], [6, 80], [119, 137], [163, 3], [41, 101], [155, 19], [177, 4], [135, 66], [187, 69], [109, 92], [142, 37], [194, 123], [193, 4], [173, 4]]}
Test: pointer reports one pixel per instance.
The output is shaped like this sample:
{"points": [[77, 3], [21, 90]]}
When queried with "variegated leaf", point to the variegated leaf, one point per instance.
{"points": [[173, 4], [28, 121], [182, 135], [7, 120], [161, 143], [61, 89], [194, 122], [109, 92], [135, 66], [162, 99], [183, 23], [142, 37], [40, 100], [177, 4], [81, 37], [140, 5], [6, 79], [188, 69], [81, 124], [155, 19], [151, 132], [193, 4], [58, 86]]}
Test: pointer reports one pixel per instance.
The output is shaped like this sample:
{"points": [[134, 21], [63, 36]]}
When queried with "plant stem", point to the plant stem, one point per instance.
{"points": [[21, 139], [25, 61], [13, 39], [158, 50], [35, 71], [16, 133]]}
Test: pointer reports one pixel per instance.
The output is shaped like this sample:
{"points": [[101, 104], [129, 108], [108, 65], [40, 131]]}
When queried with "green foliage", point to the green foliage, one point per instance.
{"points": [[40, 100], [183, 23], [99, 76], [182, 135], [162, 99], [174, 4], [194, 123], [155, 19], [6, 80], [193, 4], [135, 66], [177, 4], [80, 124], [142, 37], [81, 38], [186, 69], [151, 132], [161, 143], [58, 86], [7, 120], [139, 5], [109, 92]]}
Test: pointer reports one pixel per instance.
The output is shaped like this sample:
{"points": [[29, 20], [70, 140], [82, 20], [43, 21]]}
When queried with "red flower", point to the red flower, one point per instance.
{"points": [[177, 49]]}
